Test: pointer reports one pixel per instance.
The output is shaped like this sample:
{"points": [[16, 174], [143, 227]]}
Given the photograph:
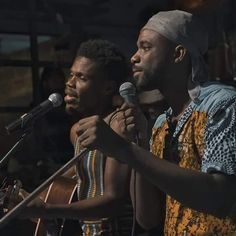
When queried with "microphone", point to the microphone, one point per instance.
{"points": [[128, 92], [54, 100]]}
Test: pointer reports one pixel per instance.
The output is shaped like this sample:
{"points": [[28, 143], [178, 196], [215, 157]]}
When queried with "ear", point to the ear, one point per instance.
{"points": [[180, 53]]}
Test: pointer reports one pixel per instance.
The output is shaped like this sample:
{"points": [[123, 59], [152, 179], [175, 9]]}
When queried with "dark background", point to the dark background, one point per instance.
{"points": [[38, 40]]}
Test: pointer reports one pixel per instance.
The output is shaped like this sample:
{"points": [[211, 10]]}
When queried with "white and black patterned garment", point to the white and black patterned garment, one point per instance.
{"points": [[220, 153], [204, 139], [219, 102]]}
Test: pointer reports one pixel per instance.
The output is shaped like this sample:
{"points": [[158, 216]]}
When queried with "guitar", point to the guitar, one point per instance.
{"points": [[9, 191], [61, 191]]}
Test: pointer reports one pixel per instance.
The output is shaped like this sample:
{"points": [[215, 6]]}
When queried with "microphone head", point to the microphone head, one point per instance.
{"points": [[128, 92], [56, 99]]}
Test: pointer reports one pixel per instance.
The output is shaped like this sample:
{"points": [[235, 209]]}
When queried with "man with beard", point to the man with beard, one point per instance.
{"points": [[104, 206], [193, 147]]}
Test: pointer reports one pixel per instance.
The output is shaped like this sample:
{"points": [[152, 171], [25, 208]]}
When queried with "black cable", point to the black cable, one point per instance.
{"points": [[134, 190]]}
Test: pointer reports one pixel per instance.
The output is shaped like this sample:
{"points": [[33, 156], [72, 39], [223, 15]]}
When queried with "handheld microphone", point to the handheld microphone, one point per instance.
{"points": [[54, 100], [128, 92]]}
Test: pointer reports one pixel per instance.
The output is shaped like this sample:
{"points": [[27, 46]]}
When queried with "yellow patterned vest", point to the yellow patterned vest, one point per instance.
{"points": [[193, 152]]}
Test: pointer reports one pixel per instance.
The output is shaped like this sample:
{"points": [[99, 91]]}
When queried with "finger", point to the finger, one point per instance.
{"points": [[83, 134], [131, 128], [86, 143], [126, 106], [87, 138], [88, 119], [124, 114], [130, 120], [89, 142], [82, 128], [120, 116], [114, 116], [130, 112], [111, 116], [123, 121]]}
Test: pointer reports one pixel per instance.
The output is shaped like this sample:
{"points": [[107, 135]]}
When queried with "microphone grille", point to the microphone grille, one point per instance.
{"points": [[127, 88], [56, 99]]}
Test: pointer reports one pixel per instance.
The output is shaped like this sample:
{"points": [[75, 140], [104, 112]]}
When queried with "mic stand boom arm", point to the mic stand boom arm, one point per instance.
{"points": [[17, 209], [16, 145]]}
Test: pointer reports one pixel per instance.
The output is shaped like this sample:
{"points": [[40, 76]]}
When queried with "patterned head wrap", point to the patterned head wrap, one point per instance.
{"points": [[186, 29]]}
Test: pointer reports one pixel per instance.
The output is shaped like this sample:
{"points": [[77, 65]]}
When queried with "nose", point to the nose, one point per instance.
{"points": [[135, 58], [71, 81]]}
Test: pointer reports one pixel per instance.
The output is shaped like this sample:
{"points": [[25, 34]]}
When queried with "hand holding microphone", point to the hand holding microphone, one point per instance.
{"points": [[131, 116], [94, 133]]}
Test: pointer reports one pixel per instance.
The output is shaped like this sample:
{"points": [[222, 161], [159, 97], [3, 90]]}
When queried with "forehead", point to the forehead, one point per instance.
{"points": [[84, 65], [150, 36], [147, 35]]}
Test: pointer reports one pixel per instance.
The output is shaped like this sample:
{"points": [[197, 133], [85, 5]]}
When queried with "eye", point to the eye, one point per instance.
{"points": [[82, 78], [77, 76], [146, 48]]}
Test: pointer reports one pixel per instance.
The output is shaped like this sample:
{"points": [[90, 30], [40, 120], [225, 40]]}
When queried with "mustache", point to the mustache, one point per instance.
{"points": [[136, 68], [71, 92]]}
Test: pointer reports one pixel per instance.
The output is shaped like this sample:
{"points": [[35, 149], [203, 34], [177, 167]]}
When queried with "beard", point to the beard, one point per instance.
{"points": [[145, 82], [70, 110]]}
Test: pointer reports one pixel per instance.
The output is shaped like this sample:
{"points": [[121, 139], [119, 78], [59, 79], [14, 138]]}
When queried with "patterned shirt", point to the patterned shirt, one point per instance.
{"points": [[204, 139], [90, 174]]}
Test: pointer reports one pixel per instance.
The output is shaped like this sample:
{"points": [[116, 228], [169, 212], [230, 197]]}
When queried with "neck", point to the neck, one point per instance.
{"points": [[101, 110], [177, 96], [178, 102], [104, 108]]}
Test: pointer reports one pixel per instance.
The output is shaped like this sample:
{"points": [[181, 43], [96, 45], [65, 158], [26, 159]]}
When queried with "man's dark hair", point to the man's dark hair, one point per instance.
{"points": [[108, 57]]}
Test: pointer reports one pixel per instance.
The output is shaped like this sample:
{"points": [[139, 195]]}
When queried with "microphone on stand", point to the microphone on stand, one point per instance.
{"points": [[54, 100]]}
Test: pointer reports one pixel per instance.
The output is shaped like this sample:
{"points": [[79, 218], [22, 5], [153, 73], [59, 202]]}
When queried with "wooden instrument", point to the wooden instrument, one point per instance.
{"points": [[64, 169], [61, 191]]}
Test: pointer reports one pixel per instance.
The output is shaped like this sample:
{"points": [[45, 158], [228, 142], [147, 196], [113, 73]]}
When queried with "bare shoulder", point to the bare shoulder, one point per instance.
{"points": [[73, 134]]}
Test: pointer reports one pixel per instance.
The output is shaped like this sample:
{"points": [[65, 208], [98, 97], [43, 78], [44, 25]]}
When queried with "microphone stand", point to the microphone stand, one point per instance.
{"points": [[17, 209], [16, 146]]}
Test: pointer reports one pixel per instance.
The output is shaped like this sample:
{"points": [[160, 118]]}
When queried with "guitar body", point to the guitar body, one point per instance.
{"points": [[61, 191]]}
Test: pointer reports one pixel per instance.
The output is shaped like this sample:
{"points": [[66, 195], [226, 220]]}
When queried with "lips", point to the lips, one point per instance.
{"points": [[136, 70], [71, 96], [69, 99]]}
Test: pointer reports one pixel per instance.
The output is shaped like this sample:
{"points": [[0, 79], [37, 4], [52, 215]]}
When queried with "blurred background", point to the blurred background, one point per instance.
{"points": [[38, 41]]}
